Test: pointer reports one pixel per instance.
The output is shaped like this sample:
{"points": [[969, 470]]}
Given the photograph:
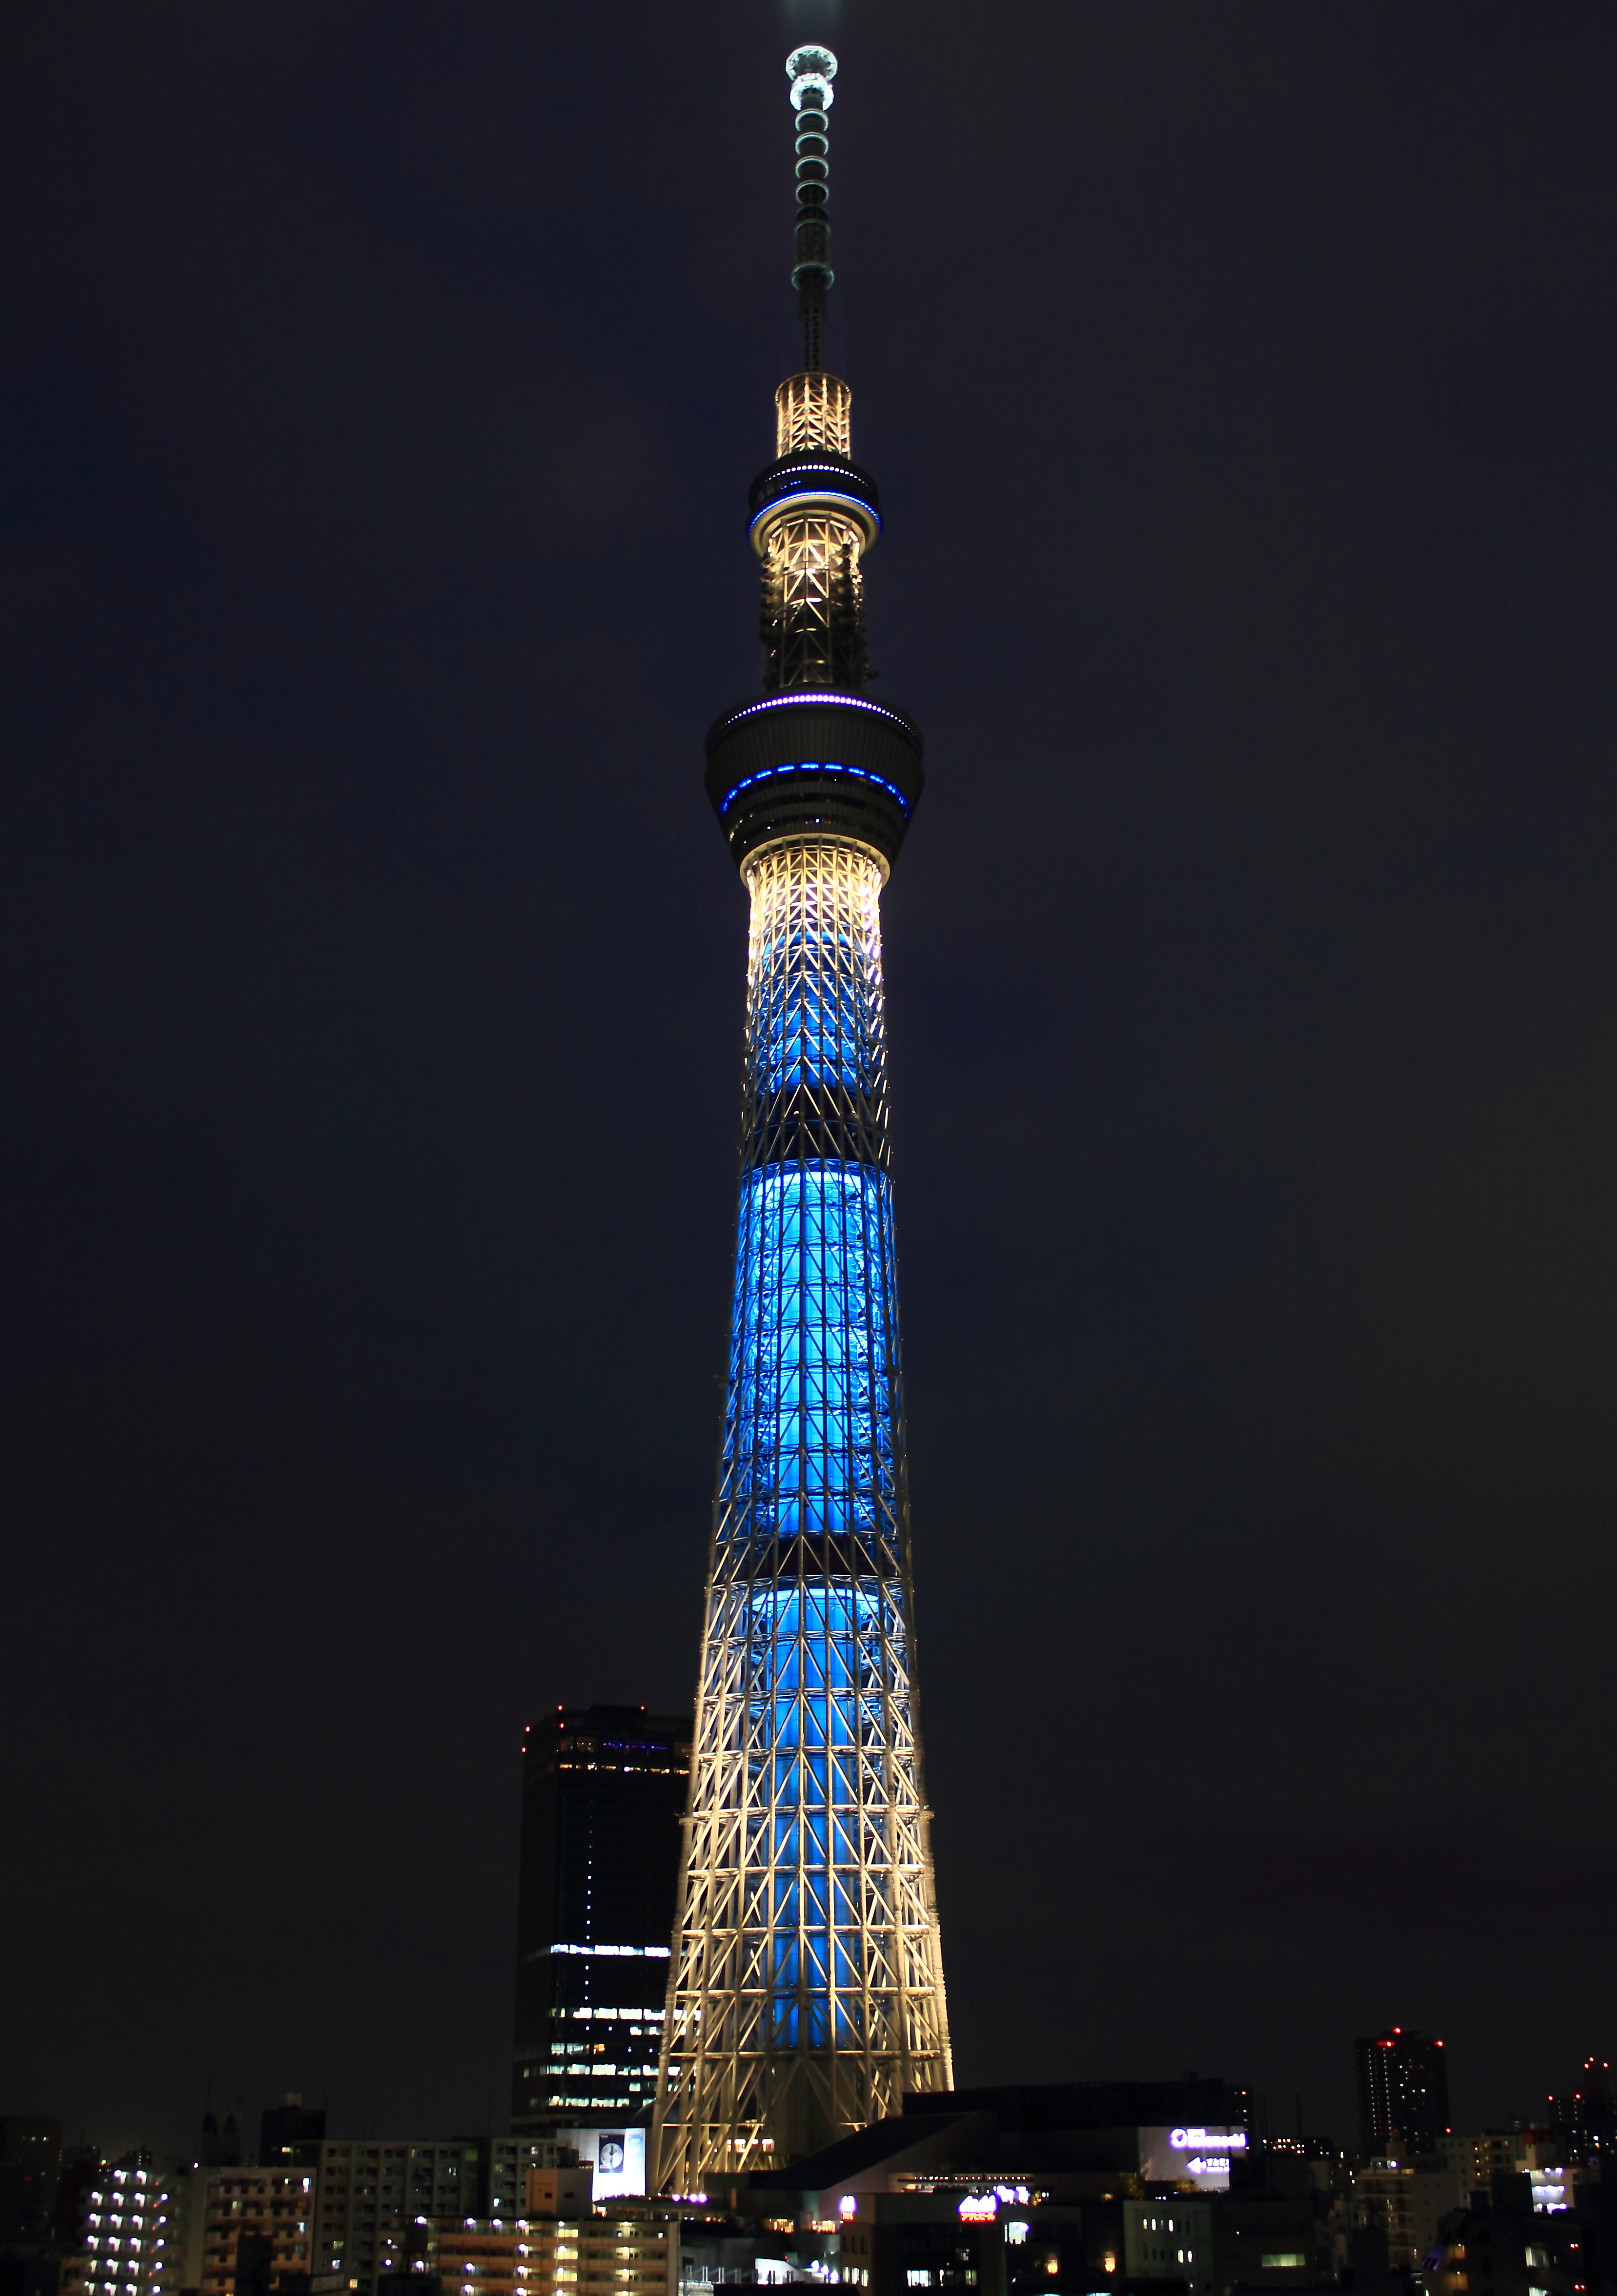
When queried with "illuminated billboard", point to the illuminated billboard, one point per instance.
{"points": [[617, 2156], [1193, 2155]]}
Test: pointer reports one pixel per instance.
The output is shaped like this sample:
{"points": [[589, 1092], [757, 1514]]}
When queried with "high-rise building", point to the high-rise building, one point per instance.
{"points": [[259, 2229], [30, 2171], [1586, 2120], [30, 2196], [141, 2231], [372, 2195], [806, 1995], [289, 2133], [1403, 2094], [603, 1791]]}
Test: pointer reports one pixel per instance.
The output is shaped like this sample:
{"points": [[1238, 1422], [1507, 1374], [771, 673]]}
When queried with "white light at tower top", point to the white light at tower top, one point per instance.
{"points": [[811, 70]]}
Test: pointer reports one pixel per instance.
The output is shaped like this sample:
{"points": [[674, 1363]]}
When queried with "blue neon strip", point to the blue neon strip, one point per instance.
{"points": [[806, 694], [818, 495], [807, 766]]}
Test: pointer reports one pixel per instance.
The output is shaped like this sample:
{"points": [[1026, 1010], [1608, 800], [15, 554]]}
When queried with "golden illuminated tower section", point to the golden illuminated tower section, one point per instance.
{"points": [[805, 1983], [811, 541]]}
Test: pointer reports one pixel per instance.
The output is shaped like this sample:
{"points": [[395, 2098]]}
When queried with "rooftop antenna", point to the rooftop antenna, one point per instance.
{"points": [[811, 72]]}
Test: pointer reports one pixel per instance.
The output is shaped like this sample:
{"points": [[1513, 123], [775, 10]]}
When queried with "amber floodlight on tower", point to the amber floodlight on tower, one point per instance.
{"points": [[806, 1987]]}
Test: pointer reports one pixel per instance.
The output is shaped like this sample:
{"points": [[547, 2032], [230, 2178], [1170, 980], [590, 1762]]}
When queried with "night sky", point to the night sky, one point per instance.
{"points": [[380, 388]]}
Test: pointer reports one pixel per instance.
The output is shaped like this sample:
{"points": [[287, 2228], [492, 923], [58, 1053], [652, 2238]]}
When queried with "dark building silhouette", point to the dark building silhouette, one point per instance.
{"points": [[1586, 2121], [30, 2173], [1403, 2094], [219, 2145], [604, 1792], [1030, 2190], [255, 2265], [289, 2134], [1502, 2243], [30, 2185]]}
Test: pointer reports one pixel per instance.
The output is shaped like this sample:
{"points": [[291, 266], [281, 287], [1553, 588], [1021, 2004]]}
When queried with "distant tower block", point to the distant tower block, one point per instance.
{"points": [[1403, 2094], [806, 1993], [603, 1790]]}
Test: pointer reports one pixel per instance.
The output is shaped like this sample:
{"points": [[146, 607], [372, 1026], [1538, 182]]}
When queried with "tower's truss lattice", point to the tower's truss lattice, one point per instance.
{"points": [[806, 1987]]}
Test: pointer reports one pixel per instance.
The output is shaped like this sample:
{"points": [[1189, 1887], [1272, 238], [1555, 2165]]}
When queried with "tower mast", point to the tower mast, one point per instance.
{"points": [[806, 1985]]}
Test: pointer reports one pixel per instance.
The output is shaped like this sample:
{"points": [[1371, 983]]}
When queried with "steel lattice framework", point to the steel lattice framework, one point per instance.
{"points": [[806, 1988], [814, 600], [806, 1993]]}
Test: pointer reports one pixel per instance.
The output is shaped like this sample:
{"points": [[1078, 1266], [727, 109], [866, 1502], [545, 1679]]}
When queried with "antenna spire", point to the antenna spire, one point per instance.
{"points": [[811, 72]]}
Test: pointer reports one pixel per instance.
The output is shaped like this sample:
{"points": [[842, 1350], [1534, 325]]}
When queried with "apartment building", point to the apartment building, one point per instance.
{"points": [[586, 2256], [258, 2228]]}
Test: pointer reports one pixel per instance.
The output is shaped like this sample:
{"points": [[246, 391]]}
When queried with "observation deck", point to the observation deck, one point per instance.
{"points": [[809, 481], [788, 765]]}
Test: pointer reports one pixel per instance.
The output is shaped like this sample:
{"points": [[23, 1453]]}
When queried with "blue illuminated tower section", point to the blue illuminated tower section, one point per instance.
{"points": [[806, 1987]]}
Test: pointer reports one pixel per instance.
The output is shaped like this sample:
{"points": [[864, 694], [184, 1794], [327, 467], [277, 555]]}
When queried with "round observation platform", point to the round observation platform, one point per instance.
{"points": [[814, 760], [814, 480]]}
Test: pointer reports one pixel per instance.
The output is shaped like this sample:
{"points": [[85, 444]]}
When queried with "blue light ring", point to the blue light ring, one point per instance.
{"points": [[808, 697], [810, 765], [862, 514]]}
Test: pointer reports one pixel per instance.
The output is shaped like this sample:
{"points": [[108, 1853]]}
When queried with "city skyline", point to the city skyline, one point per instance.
{"points": [[377, 396]]}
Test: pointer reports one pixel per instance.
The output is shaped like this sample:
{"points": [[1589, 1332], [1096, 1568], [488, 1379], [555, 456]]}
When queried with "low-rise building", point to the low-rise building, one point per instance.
{"points": [[1543, 2155], [1227, 2240], [373, 2200], [893, 2242], [587, 2256], [1407, 2201], [1169, 2240], [1508, 2248]]}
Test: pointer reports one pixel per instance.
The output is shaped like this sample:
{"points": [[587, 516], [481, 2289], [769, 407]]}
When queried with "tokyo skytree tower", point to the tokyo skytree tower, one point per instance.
{"points": [[806, 1985]]}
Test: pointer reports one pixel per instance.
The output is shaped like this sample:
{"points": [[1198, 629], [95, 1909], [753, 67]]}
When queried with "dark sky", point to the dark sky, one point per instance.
{"points": [[380, 386]]}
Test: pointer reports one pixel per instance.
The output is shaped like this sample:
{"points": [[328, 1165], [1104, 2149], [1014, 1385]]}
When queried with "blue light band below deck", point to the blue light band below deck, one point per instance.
{"points": [[811, 1446], [773, 773], [811, 1433]]}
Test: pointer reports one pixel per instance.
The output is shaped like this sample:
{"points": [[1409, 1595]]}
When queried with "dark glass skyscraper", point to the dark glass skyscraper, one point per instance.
{"points": [[1403, 2094], [604, 1790], [806, 1995]]}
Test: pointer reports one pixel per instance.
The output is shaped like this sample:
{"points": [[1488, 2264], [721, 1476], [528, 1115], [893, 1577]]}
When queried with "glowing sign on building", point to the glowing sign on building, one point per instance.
{"points": [[617, 2156], [1197, 2156]]}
